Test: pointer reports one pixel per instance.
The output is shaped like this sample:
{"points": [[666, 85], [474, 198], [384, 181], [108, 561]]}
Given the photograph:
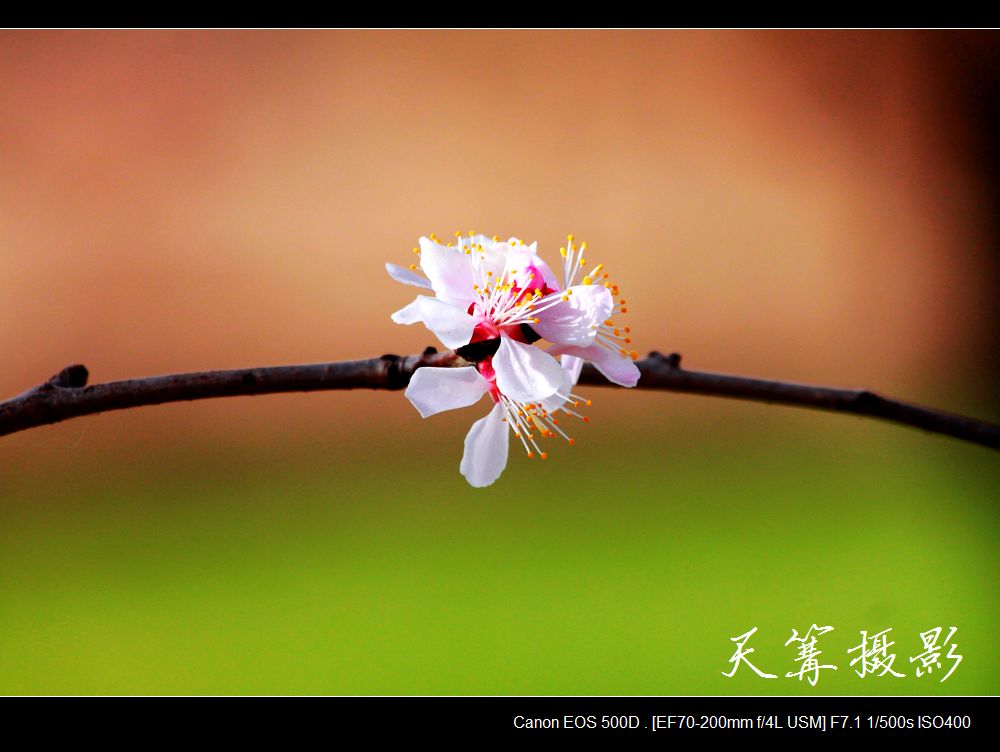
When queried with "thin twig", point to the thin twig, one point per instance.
{"points": [[66, 394]]}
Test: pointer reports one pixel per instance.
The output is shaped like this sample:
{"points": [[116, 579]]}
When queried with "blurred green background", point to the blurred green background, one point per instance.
{"points": [[816, 206], [621, 566]]}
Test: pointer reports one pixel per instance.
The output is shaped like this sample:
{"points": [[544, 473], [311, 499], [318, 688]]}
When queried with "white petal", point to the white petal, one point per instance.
{"points": [[553, 403], [573, 365], [526, 373], [523, 261], [449, 271], [575, 321], [450, 323], [493, 258], [485, 454], [433, 390], [618, 369], [489, 247], [406, 276], [409, 314], [479, 239]]}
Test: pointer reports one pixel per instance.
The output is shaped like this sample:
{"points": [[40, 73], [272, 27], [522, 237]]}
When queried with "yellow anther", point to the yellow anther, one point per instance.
{"points": [[583, 245], [562, 252], [434, 237], [583, 262], [496, 238], [458, 234], [565, 297], [413, 267], [489, 274], [597, 269], [416, 250], [569, 238], [589, 403], [588, 281], [536, 320]]}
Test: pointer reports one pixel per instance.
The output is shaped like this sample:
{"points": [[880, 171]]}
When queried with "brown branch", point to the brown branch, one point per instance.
{"points": [[66, 394]]}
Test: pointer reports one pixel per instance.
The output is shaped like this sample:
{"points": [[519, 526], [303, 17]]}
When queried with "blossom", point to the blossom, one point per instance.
{"points": [[492, 301]]}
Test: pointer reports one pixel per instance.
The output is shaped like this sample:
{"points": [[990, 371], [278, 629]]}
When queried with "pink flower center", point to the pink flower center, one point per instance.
{"points": [[485, 368], [500, 313], [535, 281]]}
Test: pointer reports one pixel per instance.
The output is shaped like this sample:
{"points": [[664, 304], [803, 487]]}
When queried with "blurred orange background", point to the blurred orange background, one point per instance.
{"points": [[802, 205]]}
